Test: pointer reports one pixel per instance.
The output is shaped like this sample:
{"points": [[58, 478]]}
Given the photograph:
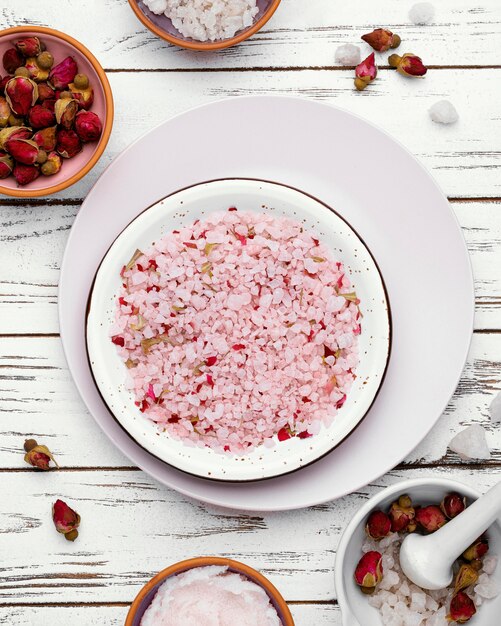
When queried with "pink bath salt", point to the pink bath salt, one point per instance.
{"points": [[230, 345], [210, 596]]}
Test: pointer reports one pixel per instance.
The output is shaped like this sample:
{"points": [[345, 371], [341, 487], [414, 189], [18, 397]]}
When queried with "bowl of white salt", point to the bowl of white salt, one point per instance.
{"points": [[201, 25], [371, 588], [210, 591]]}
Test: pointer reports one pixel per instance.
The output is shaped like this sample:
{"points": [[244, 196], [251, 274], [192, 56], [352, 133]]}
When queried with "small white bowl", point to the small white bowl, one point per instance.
{"points": [[355, 608], [182, 208]]}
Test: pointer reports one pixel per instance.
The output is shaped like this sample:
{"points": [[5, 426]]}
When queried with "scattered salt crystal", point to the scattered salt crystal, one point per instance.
{"points": [[471, 443], [443, 112], [489, 564], [422, 13], [495, 409], [348, 54], [488, 589]]}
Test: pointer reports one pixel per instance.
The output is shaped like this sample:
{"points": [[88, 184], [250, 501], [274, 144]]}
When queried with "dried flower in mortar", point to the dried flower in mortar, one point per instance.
{"points": [[462, 608], [466, 576], [382, 39], [66, 520], [66, 110], [378, 525], [477, 550], [46, 138], [37, 73], [12, 59], [4, 112], [408, 65], [38, 456], [25, 174], [68, 143], [6, 164], [22, 150], [21, 94], [401, 514], [45, 92], [365, 72], [29, 46], [40, 117], [453, 504], [88, 126], [52, 165], [369, 571], [430, 518], [63, 73]]}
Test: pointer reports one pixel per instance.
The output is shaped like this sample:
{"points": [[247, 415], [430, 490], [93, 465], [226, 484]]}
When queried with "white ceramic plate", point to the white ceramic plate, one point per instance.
{"points": [[404, 219], [181, 209]]}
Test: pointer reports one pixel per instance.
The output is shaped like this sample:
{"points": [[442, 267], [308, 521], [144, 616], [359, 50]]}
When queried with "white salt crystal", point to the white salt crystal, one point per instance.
{"points": [[471, 443], [495, 409], [444, 112], [422, 13], [489, 589], [348, 54], [489, 564], [156, 6]]}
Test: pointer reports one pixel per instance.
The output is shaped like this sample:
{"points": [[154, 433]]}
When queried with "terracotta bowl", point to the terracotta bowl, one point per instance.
{"points": [[61, 46], [163, 27], [145, 596]]}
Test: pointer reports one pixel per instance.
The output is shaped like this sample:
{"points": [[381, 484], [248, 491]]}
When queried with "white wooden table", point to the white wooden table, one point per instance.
{"points": [[132, 527]]}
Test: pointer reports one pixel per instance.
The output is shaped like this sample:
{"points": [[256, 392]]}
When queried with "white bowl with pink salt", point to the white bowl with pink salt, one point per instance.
{"points": [[239, 329]]}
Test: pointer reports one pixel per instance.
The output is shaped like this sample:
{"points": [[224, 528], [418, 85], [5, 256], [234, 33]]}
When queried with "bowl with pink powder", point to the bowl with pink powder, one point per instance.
{"points": [[239, 329]]}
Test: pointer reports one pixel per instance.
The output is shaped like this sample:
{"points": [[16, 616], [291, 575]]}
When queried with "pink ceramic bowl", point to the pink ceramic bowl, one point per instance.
{"points": [[61, 46]]}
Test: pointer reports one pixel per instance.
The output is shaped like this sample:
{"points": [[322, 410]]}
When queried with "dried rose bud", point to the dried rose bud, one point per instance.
{"points": [[11, 132], [49, 104], [408, 65], [25, 174], [40, 117], [45, 60], [46, 138], [52, 165], [365, 72], [6, 164], [63, 73], [4, 112], [66, 110], [22, 150], [22, 71], [466, 576], [85, 97], [476, 550], [378, 525], [42, 157], [38, 456], [37, 73], [68, 143], [45, 92], [382, 39], [29, 47], [369, 571], [462, 608], [21, 94], [430, 518], [12, 59], [66, 520], [3, 82], [88, 126], [453, 504], [401, 514]]}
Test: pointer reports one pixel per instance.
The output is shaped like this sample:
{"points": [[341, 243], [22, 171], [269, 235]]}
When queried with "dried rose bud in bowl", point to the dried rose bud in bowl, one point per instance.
{"points": [[47, 79]]}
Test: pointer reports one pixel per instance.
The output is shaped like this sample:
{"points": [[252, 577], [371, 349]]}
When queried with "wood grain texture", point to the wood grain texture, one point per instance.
{"points": [[463, 33]]}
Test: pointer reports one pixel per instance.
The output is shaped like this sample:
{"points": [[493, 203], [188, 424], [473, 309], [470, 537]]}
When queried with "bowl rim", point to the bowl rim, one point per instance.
{"points": [[204, 561], [204, 46], [107, 123]]}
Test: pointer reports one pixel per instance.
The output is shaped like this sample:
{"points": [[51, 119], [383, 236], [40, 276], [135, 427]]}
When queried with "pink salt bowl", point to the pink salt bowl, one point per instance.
{"points": [[147, 593], [61, 46]]}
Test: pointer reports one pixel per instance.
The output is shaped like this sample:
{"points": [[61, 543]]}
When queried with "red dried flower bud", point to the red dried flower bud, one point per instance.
{"points": [[29, 47], [40, 117], [66, 520], [68, 143], [467, 575], [6, 164], [430, 518], [45, 92], [85, 97], [63, 73], [369, 571], [462, 608], [401, 514], [382, 39], [22, 150], [88, 126], [11, 132], [37, 73], [46, 138], [477, 550], [3, 82], [408, 65], [4, 112], [365, 72], [52, 165], [25, 174], [66, 110], [12, 59], [452, 505], [378, 525], [21, 94], [49, 104], [38, 456]]}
